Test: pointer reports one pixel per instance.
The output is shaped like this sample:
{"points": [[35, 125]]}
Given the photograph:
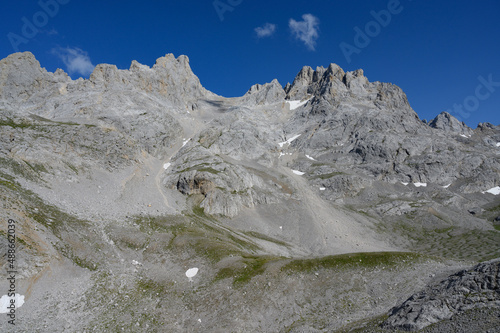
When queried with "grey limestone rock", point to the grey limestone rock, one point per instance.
{"points": [[446, 122], [264, 94], [22, 78], [465, 290]]}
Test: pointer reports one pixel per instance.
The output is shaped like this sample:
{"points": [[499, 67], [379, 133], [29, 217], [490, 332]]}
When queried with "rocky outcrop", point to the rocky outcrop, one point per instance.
{"points": [[465, 290], [22, 79], [322, 81], [170, 77], [264, 94], [227, 187], [446, 122]]}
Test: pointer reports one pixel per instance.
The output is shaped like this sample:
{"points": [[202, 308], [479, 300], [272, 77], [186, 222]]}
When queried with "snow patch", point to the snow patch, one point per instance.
{"points": [[296, 104], [6, 301], [297, 172], [416, 184], [191, 273], [494, 190], [322, 188], [446, 186], [281, 144], [166, 165], [185, 141], [498, 144], [311, 158]]}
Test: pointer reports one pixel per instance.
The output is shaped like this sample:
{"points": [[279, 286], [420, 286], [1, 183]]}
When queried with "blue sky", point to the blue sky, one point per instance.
{"points": [[443, 54]]}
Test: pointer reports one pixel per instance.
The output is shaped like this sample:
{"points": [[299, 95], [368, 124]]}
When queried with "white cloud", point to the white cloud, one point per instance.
{"points": [[265, 31], [306, 30], [75, 59], [52, 32]]}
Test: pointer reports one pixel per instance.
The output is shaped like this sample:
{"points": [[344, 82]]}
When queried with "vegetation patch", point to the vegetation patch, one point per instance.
{"points": [[372, 324], [46, 214], [204, 242], [11, 123], [202, 167], [25, 170], [245, 269], [37, 167], [54, 122], [53, 218], [81, 262], [352, 260], [160, 223], [448, 242], [151, 286], [197, 234], [265, 237], [494, 208], [72, 167]]}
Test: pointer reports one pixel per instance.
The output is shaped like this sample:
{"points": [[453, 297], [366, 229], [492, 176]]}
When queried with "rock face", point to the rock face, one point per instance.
{"points": [[355, 133], [465, 290], [145, 166], [448, 123], [264, 94], [22, 77]]}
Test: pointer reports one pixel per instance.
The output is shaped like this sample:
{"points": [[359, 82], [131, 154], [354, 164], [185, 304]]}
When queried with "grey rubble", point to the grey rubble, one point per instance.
{"points": [[465, 290], [122, 182]]}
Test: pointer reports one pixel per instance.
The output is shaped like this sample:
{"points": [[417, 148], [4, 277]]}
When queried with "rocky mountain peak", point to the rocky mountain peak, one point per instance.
{"points": [[21, 76], [170, 78], [259, 87], [169, 61], [299, 89], [446, 122], [167, 70], [105, 73], [268, 93], [330, 83], [137, 66], [305, 75], [332, 71], [21, 59]]}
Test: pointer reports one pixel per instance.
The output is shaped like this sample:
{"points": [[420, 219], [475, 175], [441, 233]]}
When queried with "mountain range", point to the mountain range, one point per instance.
{"points": [[145, 203]]}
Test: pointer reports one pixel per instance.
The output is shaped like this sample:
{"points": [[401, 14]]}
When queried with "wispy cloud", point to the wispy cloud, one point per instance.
{"points": [[75, 59], [267, 30], [306, 30], [52, 32]]}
